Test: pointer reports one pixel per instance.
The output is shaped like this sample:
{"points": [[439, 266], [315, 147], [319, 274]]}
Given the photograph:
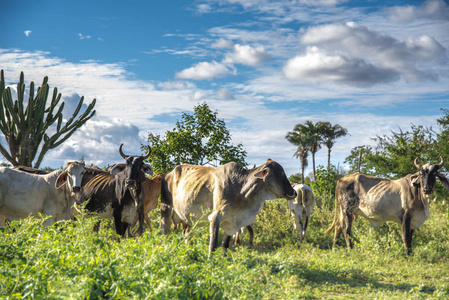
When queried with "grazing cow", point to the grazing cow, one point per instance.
{"points": [[404, 200], [118, 196], [23, 194], [301, 208], [234, 193]]}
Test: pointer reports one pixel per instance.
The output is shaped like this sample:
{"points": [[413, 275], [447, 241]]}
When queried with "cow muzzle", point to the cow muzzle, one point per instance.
{"points": [[76, 189], [427, 190]]}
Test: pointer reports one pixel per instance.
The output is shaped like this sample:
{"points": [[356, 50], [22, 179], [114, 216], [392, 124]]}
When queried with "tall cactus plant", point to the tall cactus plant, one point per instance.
{"points": [[25, 128]]}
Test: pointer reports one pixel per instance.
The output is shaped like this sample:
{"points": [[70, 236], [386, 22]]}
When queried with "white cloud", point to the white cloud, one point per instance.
{"points": [[322, 2], [432, 9], [176, 85], [221, 43], [316, 66], [354, 55], [205, 70], [27, 32], [224, 94], [246, 55], [82, 37]]}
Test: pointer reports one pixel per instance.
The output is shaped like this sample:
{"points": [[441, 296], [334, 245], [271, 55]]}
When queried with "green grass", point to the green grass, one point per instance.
{"points": [[69, 261]]}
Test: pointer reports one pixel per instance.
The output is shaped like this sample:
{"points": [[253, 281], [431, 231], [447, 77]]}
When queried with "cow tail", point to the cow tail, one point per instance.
{"points": [[166, 208], [336, 221]]}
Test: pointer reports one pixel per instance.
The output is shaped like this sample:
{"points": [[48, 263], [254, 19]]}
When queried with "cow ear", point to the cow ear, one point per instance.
{"points": [[414, 180], [262, 173], [117, 168], [61, 180], [147, 169], [444, 181]]}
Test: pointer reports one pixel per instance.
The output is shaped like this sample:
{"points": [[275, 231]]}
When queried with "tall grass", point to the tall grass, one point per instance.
{"points": [[69, 261]]}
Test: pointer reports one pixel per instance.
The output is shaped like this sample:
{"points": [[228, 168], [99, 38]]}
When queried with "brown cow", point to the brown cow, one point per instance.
{"points": [[404, 200]]}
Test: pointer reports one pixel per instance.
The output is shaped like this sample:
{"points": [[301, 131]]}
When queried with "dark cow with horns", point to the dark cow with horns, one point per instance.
{"points": [[405, 201], [234, 193], [119, 196]]}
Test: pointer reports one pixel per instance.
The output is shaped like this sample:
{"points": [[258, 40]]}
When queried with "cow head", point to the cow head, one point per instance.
{"points": [[426, 177], [274, 176], [72, 175], [135, 168]]}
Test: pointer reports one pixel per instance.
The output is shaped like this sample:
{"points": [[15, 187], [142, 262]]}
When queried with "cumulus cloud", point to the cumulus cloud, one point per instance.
{"points": [[27, 32], [317, 66], [432, 9], [246, 55], [221, 43], [205, 70], [354, 55]]}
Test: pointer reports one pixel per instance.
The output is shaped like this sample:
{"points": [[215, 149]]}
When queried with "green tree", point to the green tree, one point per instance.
{"points": [[329, 134], [360, 160], [303, 142], [308, 138], [393, 156], [199, 138], [25, 128]]}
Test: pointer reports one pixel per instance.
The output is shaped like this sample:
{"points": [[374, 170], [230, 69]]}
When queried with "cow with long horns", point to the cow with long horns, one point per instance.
{"points": [[405, 201], [119, 195]]}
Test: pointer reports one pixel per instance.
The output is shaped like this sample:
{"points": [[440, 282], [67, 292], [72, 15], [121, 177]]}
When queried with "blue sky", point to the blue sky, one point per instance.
{"points": [[264, 66]]}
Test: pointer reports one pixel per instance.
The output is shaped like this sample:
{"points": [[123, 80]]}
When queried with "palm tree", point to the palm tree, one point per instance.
{"points": [[329, 134], [306, 136], [302, 153]]}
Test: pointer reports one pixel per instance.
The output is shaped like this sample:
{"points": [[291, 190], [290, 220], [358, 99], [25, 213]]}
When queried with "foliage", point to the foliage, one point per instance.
{"points": [[25, 128], [198, 139], [360, 160], [323, 186], [329, 134], [394, 154], [309, 137], [69, 261]]}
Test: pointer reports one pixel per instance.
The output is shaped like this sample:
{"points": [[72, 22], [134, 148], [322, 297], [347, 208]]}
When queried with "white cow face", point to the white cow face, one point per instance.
{"points": [[72, 176]]}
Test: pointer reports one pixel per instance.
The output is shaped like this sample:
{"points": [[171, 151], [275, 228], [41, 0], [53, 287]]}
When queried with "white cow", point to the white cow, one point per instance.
{"points": [[301, 208], [23, 194]]}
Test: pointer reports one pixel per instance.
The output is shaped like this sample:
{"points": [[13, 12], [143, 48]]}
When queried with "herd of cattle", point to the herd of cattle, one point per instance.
{"points": [[234, 194]]}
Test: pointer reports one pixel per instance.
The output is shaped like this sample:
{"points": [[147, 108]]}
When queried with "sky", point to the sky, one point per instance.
{"points": [[372, 67]]}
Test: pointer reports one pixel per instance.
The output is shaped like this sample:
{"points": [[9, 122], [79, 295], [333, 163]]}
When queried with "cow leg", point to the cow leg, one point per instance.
{"points": [[297, 220], [238, 237], [251, 234], [147, 221], [407, 233], [347, 229], [166, 213], [225, 244], [215, 220], [118, 222], [306, 222], [2, 220], [140, 209]]}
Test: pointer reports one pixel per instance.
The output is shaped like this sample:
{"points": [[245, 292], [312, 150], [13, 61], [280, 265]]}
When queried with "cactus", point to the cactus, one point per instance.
{"points": [[25, 128]]}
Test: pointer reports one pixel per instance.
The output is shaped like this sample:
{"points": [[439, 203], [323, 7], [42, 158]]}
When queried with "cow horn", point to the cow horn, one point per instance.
{"points": [[416, 164], [148, 154], [441, 162], [121, 152]]}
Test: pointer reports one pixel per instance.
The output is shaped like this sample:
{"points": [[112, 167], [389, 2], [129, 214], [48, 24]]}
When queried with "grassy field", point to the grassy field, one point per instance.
{"points": [[69, 261]]}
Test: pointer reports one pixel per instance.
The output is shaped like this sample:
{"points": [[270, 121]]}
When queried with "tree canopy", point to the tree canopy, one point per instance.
{"points": [[200, 138]]}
